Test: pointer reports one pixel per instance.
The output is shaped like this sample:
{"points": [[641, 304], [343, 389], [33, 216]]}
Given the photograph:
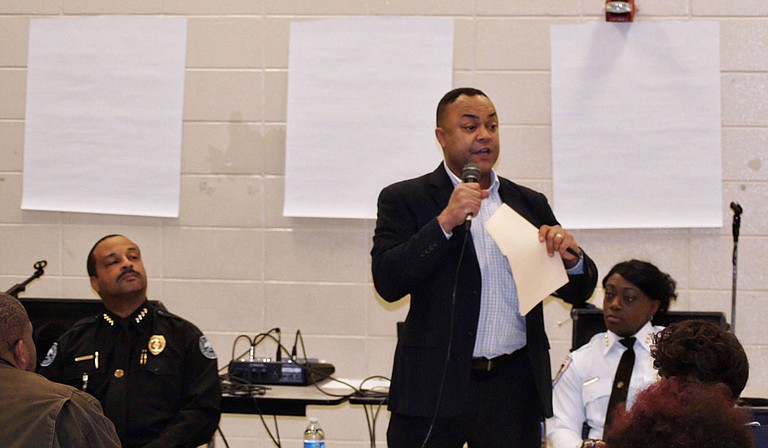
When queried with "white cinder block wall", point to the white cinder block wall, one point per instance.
{"points": [[234, 265]]}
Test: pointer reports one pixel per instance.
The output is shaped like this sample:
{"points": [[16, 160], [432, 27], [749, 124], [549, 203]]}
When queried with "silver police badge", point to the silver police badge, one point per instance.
{"points": [[206, 349], [51, 355]]}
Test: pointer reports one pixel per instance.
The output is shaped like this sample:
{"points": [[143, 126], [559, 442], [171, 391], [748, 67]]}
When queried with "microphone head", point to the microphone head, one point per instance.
{"points": [[736, 208], [470, 174]]}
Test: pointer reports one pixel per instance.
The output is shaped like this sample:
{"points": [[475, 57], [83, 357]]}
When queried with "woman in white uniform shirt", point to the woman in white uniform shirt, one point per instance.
{"points": [[635, 291]]}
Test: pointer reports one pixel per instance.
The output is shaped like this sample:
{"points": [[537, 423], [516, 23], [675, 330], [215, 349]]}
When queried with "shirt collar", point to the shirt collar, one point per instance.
{"points": [[140, 319], [456, 181], [644, 338]]}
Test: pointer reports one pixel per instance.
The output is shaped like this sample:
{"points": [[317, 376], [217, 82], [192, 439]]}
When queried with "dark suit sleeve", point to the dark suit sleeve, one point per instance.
{"points": [[580, 287], [408, 244]]}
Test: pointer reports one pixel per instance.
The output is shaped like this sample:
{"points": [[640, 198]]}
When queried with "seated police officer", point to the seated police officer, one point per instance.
{"points": [[153, 372], [607, 372]]}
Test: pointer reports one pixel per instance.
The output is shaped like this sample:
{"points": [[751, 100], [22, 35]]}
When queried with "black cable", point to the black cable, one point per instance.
{"points": [[253, 343], [321, 375], [327, 376], [277, 430], [280, 346], [239, 387], [276, 437], [234, 344], [371, 420], [372, 392], [261, 336], [298, 337], [374, 414], [361, 392], [450, 341], [224, 439], [315, 377]]}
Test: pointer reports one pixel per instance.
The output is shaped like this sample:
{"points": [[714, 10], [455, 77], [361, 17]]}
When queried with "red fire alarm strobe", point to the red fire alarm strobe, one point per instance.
{"points": [[619, 10]]}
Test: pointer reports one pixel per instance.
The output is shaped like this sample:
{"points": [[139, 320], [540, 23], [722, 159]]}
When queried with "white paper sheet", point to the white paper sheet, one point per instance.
{"points": [[537, 275], [636, 124], [362, 94], [104, 115]]}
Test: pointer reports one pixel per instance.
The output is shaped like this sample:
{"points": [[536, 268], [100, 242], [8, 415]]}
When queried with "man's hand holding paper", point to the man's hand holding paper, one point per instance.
{"points": [[531, 255], [557, 239]]}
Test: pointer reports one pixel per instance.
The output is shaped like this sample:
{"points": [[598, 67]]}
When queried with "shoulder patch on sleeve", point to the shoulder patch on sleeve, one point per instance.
{"points": [[563, 367], [51, 355], [206, 349]]}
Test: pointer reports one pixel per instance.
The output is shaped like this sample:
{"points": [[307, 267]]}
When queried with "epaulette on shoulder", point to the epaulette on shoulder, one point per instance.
{"points": [[88, 320], [85, 322], [169, 315]]}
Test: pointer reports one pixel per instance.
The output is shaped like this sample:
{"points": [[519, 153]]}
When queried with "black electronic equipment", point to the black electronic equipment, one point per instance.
{"points": [[296, 373]]}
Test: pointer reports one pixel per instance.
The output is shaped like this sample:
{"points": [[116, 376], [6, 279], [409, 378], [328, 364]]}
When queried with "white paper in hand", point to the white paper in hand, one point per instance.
{"points": [[537, 275]]}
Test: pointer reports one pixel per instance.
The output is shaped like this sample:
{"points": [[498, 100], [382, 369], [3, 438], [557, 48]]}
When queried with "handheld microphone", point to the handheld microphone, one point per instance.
{"points": [[736, 208], [470, 174]]}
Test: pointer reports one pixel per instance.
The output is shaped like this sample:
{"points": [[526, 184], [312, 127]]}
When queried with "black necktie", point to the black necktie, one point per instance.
{"points": [[620, 381], [115, 399]]}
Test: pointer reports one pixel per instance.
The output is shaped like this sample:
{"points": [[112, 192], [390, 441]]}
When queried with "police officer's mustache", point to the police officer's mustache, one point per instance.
{"points": [[126, 272]]}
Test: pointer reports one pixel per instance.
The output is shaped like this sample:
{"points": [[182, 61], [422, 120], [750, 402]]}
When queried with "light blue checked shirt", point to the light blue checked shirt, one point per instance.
{"points": [[501, 328]]}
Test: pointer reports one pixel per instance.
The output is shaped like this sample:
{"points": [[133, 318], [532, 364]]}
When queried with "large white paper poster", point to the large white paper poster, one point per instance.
{"points": [[104, 115], [636, 125], [362, 94]]}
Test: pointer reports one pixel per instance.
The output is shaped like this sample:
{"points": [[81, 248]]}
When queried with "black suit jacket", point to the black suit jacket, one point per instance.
{"points": [[412, 256]]}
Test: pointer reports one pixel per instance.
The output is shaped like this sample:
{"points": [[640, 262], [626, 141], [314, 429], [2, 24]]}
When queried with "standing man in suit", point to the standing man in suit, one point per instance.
{"points": [[468, 366]]}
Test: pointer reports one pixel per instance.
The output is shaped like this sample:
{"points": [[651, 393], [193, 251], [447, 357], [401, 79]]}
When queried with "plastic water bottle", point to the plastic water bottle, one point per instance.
{"points": [[314, 437]]}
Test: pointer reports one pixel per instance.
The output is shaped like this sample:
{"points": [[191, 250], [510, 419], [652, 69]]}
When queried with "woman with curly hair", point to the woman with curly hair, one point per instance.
{"points": [[676, 413], [700, 351]]}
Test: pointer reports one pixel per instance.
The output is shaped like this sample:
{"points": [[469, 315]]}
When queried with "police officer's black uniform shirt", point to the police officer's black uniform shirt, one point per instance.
{"points": [[154, 373]]}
